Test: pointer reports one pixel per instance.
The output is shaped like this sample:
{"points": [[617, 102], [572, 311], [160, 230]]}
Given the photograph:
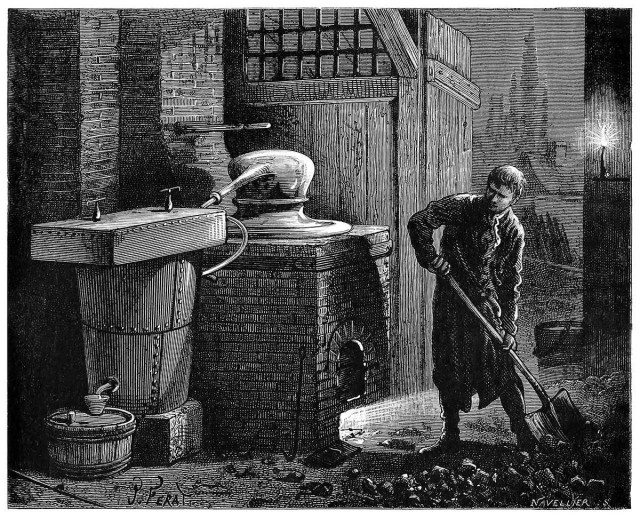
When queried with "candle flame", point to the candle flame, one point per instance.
{"points": [[604, 139], [606, 136]]}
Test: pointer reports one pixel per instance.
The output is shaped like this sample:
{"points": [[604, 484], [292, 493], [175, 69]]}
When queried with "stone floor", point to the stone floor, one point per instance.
{"points": [[389, 432], [548, 294]]}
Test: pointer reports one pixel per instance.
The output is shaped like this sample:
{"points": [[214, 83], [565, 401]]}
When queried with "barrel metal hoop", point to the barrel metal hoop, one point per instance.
{"points": [[90, 471], [58, 437], [151, 332], [94, 467]]}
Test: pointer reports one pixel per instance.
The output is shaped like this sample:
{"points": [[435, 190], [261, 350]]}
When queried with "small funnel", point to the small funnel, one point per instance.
{"points": [[272, 206], [97, 402]]}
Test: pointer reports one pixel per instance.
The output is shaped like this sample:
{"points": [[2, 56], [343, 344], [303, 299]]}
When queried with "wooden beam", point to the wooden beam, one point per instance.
{"points": [[449, 81], [319, 90], [397, 40], [408, 366]]}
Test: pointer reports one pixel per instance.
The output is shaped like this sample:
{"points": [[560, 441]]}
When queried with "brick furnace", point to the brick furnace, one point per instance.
{"points": [[296, 331]]}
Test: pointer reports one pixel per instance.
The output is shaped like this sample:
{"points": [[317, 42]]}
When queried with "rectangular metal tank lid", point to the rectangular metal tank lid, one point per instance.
{"points": [[128, 236]]}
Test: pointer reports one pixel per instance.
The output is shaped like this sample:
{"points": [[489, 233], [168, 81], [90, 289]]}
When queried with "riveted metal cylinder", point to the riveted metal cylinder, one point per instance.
{"points": [[137, 324]]}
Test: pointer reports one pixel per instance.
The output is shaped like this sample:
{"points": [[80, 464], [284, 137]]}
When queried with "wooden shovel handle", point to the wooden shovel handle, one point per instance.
{"points": [[542, 393]]}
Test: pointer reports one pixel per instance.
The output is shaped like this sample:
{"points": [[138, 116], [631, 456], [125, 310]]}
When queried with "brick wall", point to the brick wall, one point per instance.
{"points": [[63, 112], [144, 161], [99, 111], [192, 82], [356, 305], [45, 357], [192, 68], [271, 317], [90, 92], [44, 93]]}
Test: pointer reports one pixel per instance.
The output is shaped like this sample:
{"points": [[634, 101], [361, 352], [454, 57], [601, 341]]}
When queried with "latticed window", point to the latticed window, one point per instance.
{"points": [[285, 44]]}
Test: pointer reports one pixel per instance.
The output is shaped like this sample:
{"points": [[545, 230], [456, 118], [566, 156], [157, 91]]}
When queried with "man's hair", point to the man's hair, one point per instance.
{"points": [[509, 176]]}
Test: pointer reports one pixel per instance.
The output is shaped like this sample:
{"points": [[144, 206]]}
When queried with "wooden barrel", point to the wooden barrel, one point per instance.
{"points": [[560, 350], [90, 446], [137, 326]]}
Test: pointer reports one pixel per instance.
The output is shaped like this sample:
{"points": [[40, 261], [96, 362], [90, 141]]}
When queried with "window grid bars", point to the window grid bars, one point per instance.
{"points": [[277, 35]]}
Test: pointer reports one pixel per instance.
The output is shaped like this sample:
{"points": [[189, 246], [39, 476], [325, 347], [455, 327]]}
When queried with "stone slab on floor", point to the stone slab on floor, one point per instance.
{"points": [[162, 439]]}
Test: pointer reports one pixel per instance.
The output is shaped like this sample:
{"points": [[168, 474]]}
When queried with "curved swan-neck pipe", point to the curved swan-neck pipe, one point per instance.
{"points": [[249, 175]]}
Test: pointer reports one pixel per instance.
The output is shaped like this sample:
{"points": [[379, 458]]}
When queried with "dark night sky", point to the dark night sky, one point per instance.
{"points": [[497, 43]]}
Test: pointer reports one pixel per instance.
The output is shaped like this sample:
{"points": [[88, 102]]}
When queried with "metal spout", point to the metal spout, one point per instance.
{"points": [[96, 208], [110, 386], [168, 202], [248, 176]]}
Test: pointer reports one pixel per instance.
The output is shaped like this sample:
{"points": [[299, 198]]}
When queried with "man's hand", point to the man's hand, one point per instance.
{"points": [[439, 266], [509, 342]]}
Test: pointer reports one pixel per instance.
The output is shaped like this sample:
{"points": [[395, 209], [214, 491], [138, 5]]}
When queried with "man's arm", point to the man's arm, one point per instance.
{"points": [[509, 292], [452, 210]]}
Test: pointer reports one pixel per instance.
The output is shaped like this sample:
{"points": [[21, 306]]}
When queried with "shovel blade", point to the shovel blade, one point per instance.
{"points": [[544, 422], [560, 419], [572, 422]]}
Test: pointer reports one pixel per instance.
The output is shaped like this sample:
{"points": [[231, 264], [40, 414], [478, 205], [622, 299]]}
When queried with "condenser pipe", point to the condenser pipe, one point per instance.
{"points": [[249, 175]]}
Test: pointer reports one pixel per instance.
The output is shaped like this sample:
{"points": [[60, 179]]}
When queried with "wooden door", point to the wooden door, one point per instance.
{"points": [[434, 127]]}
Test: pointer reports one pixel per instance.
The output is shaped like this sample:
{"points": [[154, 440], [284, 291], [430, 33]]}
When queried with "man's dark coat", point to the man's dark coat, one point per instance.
{"points": [[485, 254]]}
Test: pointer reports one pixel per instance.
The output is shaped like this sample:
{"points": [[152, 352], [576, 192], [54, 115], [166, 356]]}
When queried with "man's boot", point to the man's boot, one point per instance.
{"points": [[512, 401], [524, 438], [449, 440]]}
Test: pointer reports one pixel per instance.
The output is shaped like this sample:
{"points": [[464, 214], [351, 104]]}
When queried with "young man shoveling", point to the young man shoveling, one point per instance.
{"points": [[481, 248]]}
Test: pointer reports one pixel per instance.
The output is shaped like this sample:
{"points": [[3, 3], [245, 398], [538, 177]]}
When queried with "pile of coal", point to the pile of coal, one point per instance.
{"points": [[540, 479], [323, 489], [292, 476], [556, 474]]}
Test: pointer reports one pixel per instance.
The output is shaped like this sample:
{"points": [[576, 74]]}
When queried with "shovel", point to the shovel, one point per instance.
{"points": [[558, 416]]}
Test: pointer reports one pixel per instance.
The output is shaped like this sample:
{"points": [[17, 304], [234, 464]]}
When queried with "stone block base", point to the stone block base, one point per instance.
{"points": [[162, 439]]}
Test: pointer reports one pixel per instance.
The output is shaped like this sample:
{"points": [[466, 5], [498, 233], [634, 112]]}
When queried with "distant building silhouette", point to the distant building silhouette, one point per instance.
{"points": [[518, 134], [534, 185]]}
